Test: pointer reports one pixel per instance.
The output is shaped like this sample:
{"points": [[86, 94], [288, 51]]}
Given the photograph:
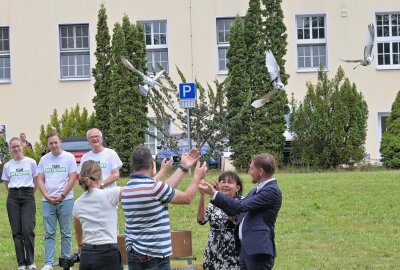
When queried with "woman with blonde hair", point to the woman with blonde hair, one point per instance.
{"points": [[95, 221], [20, 178]]}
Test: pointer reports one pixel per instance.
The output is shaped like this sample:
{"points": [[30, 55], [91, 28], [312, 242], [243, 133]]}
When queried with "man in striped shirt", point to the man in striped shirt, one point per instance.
{"points": [[144, 200]]}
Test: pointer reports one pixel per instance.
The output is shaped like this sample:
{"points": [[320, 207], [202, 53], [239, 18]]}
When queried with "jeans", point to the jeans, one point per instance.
{"points": [[21, 208], [100, 257], [137, 261], [51, 213]]}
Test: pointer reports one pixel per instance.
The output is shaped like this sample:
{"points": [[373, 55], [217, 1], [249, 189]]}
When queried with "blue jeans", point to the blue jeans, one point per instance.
{"points": [[137, 261], [51, 213]]}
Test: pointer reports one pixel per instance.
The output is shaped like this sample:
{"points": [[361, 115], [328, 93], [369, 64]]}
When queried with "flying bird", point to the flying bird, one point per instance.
{"points": [[369, 44], [150, 83], [275, 78]]}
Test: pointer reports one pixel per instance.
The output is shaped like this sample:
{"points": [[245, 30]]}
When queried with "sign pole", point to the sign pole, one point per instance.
{"points": [[187, 100], [188, 134]]}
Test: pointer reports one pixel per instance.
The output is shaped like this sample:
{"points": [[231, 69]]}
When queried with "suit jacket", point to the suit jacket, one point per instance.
{"points": [[259, 211]]}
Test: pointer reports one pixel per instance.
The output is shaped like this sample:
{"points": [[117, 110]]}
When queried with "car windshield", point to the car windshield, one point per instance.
{"points": [[75, 146]]}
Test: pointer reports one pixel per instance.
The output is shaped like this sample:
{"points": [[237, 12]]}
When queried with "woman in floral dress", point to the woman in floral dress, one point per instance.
{"points": [[221, 252]]}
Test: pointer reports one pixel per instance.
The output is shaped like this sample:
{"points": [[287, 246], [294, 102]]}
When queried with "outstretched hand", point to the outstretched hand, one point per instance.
{"points": [[188, 160], [206, 188], [200, 171], [166, 164]]}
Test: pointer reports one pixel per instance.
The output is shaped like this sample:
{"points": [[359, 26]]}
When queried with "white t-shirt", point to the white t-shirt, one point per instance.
{"points": [[95, 209], [56, 170], [108, 160], [20, 173]]}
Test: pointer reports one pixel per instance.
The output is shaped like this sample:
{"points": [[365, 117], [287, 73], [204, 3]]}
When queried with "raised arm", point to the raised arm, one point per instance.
{"points": [[188, 160], [186, 197], [166, 165]]}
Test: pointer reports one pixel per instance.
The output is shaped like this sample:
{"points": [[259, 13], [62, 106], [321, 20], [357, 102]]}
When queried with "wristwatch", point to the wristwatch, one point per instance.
{"points": [[185, 170], [101, 185]]}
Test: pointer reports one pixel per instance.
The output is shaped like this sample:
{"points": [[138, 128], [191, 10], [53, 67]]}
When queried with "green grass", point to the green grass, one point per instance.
{"points": [[335, 220]]}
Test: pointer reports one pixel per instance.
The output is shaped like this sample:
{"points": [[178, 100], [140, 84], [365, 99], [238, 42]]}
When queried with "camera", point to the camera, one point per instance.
{"points": [[68, 262]]}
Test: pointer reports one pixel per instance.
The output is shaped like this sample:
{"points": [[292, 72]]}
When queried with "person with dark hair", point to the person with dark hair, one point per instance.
{"points": [[144, 200], [257, 213], [221, 252], [56, 179], [20, 177], [95, 221]]}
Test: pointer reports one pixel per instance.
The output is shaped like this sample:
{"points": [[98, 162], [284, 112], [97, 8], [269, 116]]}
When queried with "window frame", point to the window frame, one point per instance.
{"points": [[380, 115], [222, 45], [387, 40], [74, 52], [312, 41], [152, 48], [6, 54], [156, 142]]}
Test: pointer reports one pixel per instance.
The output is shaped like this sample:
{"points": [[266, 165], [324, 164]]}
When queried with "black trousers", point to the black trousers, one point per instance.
{"points": [[100, 257], [21, 208], [255, 262]]}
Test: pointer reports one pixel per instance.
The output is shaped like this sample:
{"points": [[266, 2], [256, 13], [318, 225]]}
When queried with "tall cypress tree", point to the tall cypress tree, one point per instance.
{"points": [[238, 96], [271, 122], [125, 129], [390, 144], [101, 74]]}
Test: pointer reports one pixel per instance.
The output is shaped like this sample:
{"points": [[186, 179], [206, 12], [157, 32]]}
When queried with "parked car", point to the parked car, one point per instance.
{"points": [[165, 152], [76, 145]]}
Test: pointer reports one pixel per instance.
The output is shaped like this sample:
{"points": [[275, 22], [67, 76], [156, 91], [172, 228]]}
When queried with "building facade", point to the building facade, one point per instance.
{"points": [[47, 51]]}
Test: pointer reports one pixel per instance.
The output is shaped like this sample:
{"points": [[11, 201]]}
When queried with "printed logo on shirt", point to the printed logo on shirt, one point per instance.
{"points": [[102, 165], [55, 169], [20, 172]]}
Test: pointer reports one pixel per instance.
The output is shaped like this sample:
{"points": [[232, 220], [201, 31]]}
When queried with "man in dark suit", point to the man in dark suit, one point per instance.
{"points": [[257, 214]]}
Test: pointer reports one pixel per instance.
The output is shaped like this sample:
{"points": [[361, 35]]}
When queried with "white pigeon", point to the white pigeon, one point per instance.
{"points": [[149, 82], [369, 44], [275, 78]]}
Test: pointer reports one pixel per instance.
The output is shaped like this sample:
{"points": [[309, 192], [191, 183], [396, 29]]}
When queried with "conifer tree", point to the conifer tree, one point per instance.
{"points": [[329, 126], [265, 126], [126, 129], [390, 144], [238, 95], [101, 74]]}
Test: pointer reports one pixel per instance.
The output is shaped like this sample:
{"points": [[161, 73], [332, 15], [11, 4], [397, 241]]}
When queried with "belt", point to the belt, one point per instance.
{"points": [[103, 246], [21, 188]]}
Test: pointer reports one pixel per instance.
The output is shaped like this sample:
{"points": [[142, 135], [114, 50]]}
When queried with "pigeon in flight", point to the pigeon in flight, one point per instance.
{"points": [[275, 78], [149, 82], [369, 44]]}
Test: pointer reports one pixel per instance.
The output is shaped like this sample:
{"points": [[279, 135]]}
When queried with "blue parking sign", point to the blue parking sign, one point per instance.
{"points": [[187, 91]]}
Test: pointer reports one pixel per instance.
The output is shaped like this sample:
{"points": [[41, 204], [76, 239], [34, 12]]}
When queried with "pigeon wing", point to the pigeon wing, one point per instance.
{"points": [[260, 102], [369, 44], [352, 61], [272, 65], [158, 75], [129, 65]]}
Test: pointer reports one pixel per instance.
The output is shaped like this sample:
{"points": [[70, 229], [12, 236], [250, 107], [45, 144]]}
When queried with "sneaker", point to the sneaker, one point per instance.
{"points": [[22, 267], [47, 267], [32, 266]]}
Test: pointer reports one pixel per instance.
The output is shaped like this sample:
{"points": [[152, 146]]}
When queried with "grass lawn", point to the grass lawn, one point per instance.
{"points": [[335, 220]]}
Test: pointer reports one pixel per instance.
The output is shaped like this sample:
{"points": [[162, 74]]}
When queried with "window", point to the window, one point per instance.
{"points": [[5, 69], [311, 42], [74, 51], [155, 35], [223, 34], [388, 40], [382, 126], [152, 142]]}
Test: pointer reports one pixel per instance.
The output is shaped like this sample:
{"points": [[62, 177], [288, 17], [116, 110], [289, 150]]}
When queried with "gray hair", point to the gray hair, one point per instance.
{"points": [[93, 129]]}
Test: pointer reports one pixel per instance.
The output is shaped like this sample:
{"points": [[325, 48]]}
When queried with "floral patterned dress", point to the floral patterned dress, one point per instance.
{"points": [[220, 253]]}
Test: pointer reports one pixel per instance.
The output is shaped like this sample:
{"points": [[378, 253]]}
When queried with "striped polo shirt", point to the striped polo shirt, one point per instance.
{"points": [[147, 225]]}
